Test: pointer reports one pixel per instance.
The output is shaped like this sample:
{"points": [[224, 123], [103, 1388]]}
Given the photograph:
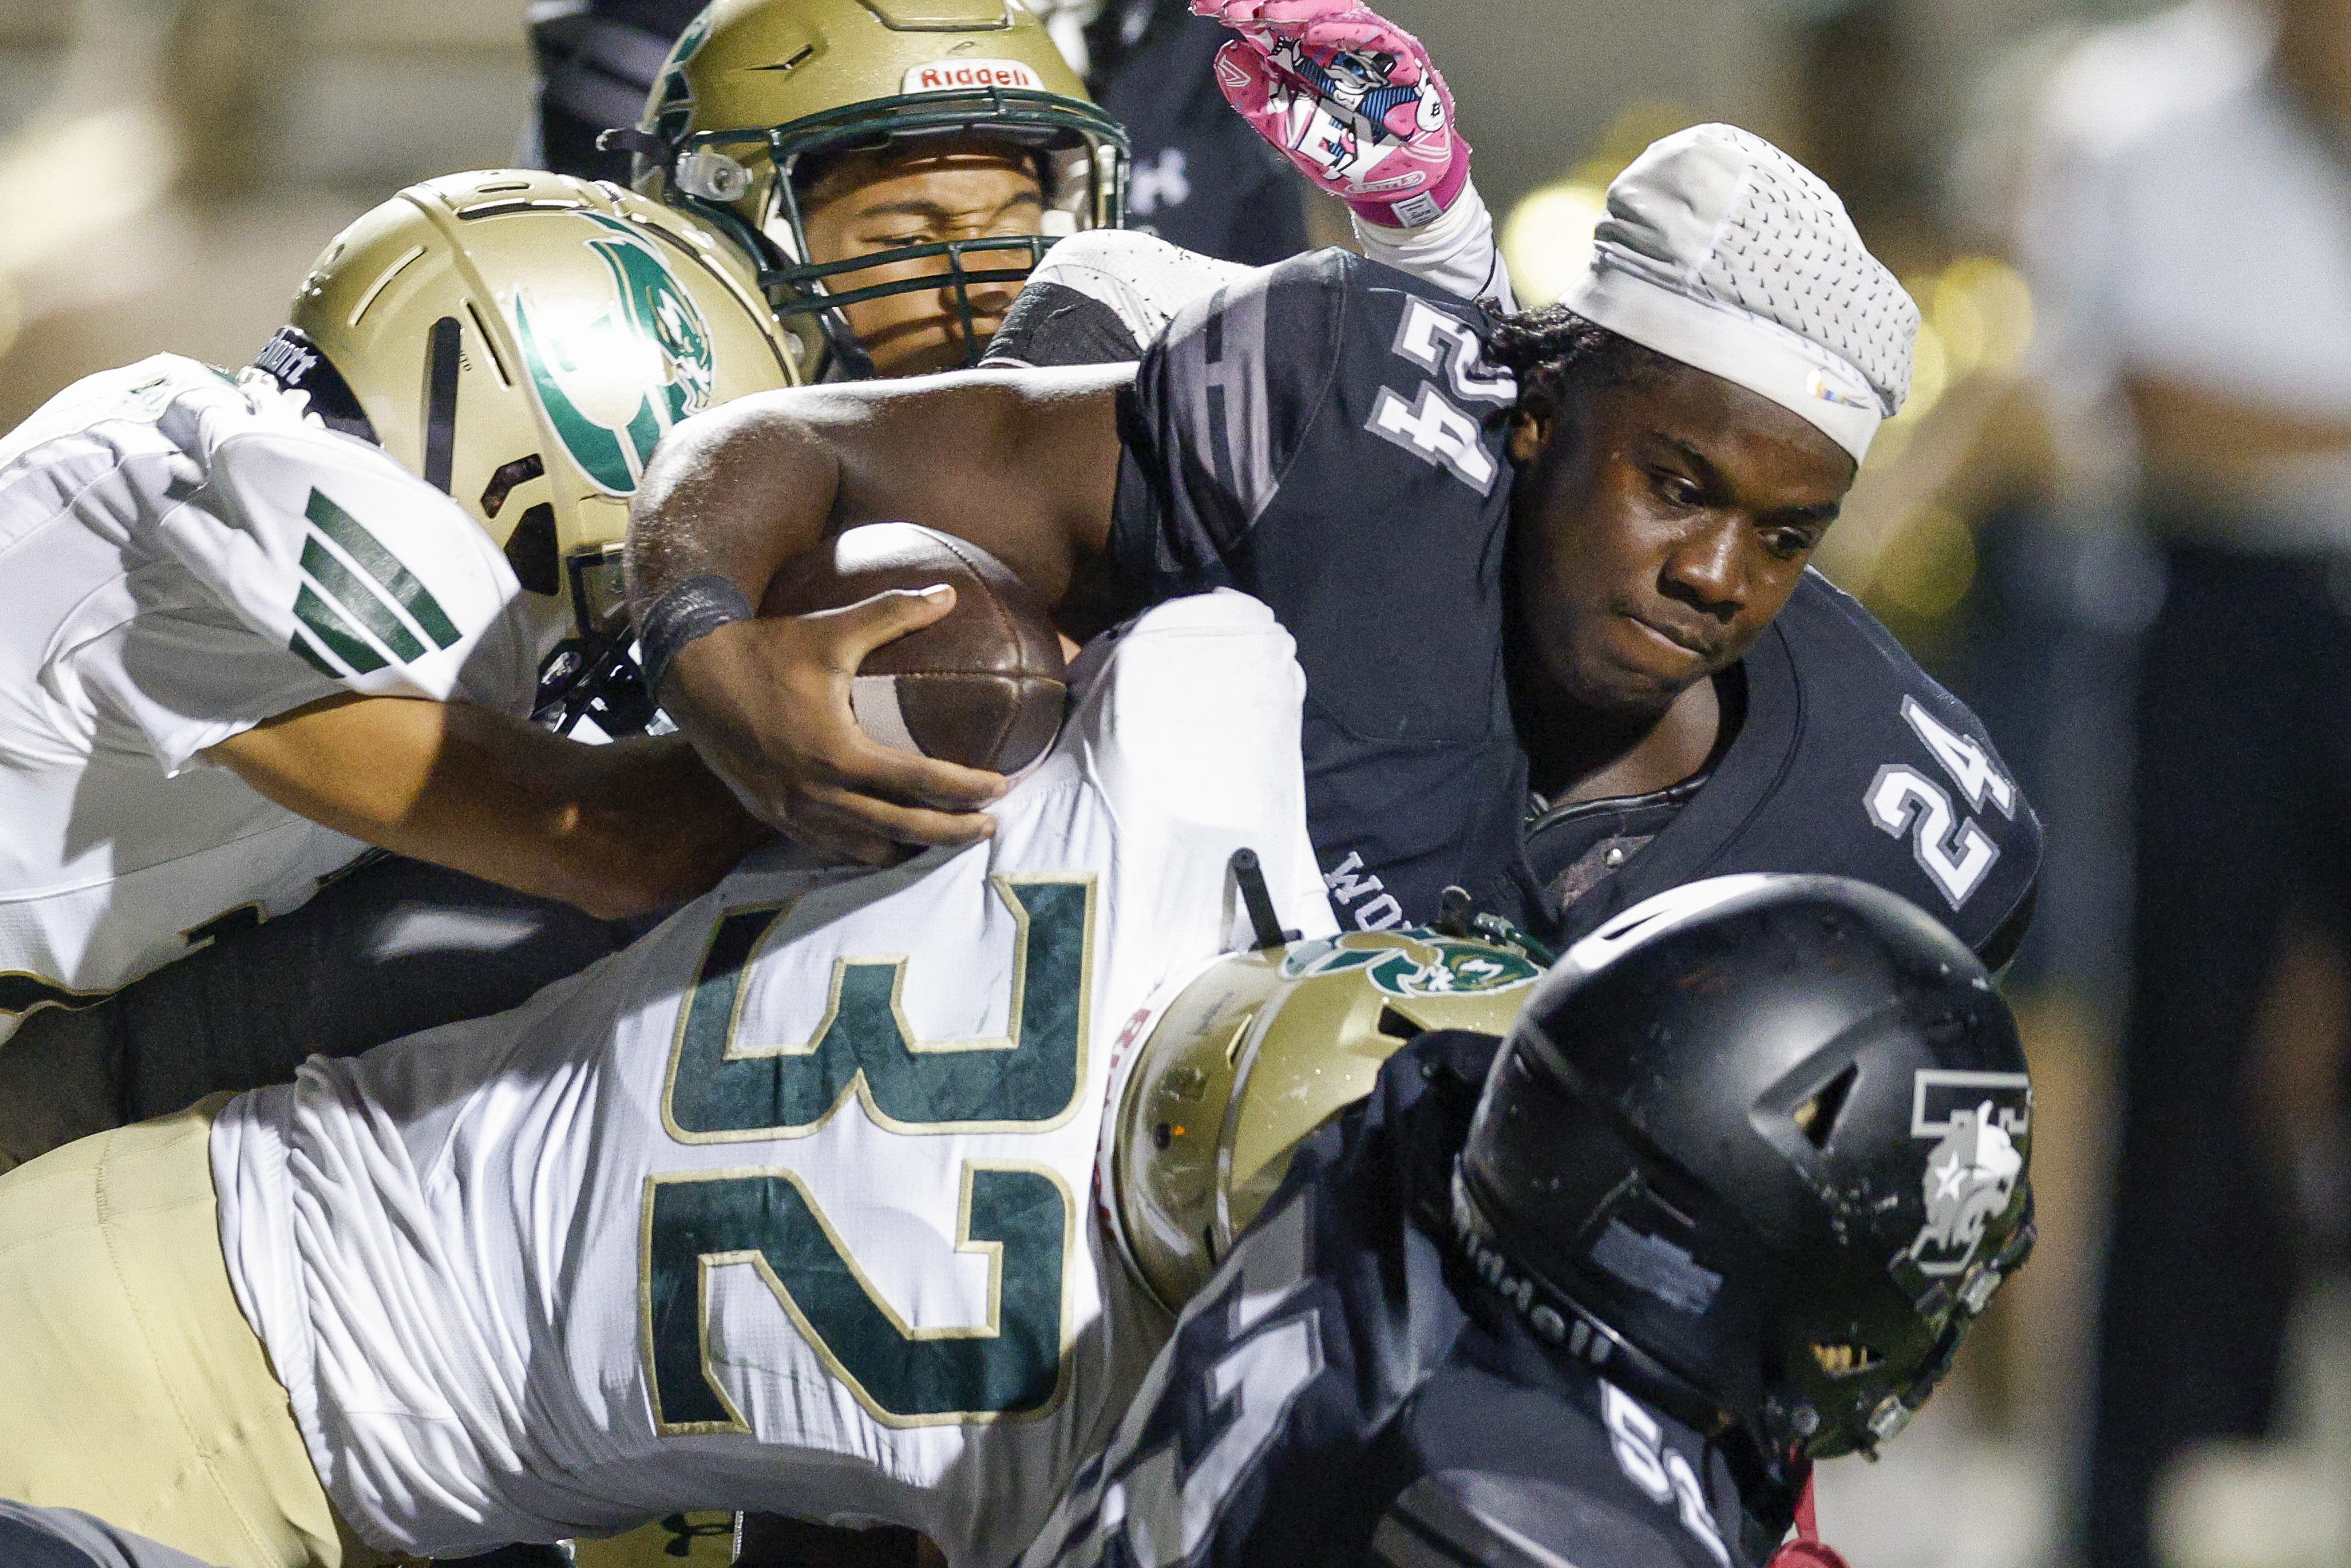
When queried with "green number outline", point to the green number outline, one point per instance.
{"points": [[814, 1340], [1004, 884]]}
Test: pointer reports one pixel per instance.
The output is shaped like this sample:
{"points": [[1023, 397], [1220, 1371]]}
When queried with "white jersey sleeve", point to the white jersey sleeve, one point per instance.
{"points": [[265, 562], [188, 556], [789, 1207], [1456, 253], [1140, 282]]}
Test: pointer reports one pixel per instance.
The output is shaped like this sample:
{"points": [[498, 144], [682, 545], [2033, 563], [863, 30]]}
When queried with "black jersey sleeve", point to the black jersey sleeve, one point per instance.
{"points": [[1328, 436], [1221, 405]]}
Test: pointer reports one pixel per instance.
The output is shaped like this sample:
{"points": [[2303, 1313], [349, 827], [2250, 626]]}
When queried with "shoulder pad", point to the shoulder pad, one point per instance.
{"points": [[1852, 761], [1948, 811]]}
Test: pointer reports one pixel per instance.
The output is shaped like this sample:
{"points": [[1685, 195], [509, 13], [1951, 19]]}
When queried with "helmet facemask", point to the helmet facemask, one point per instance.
{"points": [[761, 186]]}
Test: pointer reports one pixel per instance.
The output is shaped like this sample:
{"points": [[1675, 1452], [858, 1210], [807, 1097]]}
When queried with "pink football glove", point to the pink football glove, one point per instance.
{"points": [[1350, 97]]}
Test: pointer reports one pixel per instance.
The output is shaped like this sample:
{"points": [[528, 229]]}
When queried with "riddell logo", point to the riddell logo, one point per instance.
{"points": [[962, 76]]}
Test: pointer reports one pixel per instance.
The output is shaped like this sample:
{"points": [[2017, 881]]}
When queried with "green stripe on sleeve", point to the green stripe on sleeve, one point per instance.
{"points": [[307, 652], [359, 601], [330, 629], [384, 567]]}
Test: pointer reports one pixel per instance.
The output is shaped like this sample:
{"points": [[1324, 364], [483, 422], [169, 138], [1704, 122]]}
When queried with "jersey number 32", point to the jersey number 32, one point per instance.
{"points": [[725, 1089]]}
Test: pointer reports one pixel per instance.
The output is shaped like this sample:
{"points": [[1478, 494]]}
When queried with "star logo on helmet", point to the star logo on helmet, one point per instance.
{"points": [[1973, 1172]]}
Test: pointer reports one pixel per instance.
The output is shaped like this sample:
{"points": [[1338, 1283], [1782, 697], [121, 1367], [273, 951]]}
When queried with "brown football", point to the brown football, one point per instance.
{"points": [[984, 685]]}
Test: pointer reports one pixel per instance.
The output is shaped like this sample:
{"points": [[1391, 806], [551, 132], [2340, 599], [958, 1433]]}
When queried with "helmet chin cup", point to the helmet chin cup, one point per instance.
{"points": [[707, 172]]}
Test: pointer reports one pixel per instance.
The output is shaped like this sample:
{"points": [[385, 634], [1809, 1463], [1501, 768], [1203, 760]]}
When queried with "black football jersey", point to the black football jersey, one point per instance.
{"points": [[1343, 1391], [1327, 436]]}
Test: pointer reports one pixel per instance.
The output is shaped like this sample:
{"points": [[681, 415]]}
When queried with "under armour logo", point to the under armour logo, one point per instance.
{"points": [[685, 1532], [1151, 186]]}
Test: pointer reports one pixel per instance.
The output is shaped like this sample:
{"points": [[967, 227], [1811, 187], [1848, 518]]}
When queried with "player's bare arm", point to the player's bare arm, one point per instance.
{"points": [[1023, 463], [617, 829]]}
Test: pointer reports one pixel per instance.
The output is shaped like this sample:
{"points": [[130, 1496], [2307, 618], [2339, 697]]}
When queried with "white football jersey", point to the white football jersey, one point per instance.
{"points": [[186, 556], [789, 1207]]}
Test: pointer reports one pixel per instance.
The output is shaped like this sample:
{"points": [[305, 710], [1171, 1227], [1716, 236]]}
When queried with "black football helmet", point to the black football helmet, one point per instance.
{"points": [[1756, 1148]]}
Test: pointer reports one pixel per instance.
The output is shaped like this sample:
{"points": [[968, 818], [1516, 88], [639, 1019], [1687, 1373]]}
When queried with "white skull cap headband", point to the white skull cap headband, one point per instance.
{"points": [[1722, 251]]}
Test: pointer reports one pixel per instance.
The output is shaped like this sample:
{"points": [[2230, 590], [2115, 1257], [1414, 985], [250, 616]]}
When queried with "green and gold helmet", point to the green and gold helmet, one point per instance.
{"points": [[760, 94], [1255, 1054], [522, 341]]}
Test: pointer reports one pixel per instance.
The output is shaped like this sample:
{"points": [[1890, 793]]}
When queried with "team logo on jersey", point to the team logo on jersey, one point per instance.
{"points": [[1977, 1119], [612, 384], [1414, 962]]}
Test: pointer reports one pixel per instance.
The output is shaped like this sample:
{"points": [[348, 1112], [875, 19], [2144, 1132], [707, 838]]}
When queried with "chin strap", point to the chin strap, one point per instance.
{"points": [[1807, 1549]]}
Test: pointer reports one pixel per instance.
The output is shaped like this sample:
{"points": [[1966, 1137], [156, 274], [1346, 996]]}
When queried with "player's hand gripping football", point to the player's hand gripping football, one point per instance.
{"points": [[1350, 98], [795, 756]]}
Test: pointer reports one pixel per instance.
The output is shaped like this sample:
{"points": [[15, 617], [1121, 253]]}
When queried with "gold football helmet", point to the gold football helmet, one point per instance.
{"points": [[521, 340], [1255, 1054], [758, 93]]}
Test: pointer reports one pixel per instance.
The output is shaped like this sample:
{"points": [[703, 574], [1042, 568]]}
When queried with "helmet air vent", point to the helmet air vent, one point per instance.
{"points": [[445, 352], [940, 15], [806, 51], [508, 479], [382, 282], [1816, 1118]]}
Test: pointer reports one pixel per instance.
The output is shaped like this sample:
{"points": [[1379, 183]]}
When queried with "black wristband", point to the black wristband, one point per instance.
{"points": [[692, 610]]}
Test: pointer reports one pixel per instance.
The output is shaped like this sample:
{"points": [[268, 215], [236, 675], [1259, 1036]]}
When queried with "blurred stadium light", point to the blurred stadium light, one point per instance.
{"points": [[1897, 548], [1547, 235]]}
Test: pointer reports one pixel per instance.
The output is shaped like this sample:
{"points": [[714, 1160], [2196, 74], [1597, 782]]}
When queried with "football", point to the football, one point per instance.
{"points": [[985, 686]]}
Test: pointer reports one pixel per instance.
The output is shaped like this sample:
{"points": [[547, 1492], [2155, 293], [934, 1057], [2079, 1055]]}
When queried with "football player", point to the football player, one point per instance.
{"points": [[895, 171], [1725, 1203], [1547, 572], [657, 1254], [253, 634], [455, 1296], [1200, 179], [815, 160], [898, 183]]}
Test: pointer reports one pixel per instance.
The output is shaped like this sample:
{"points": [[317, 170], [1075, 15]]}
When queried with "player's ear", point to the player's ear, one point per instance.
{"points": [[1530, 432]]}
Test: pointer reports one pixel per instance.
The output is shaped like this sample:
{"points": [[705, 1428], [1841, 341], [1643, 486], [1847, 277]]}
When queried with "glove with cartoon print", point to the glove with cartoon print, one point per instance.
{"points": [[1350, 97]]}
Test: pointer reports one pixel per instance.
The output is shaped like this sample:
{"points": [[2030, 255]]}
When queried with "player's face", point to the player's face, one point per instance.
{"points": [[1659, 527], [877, 201]]}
